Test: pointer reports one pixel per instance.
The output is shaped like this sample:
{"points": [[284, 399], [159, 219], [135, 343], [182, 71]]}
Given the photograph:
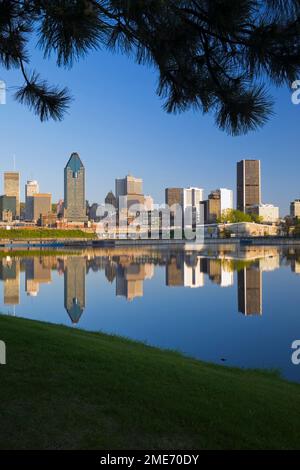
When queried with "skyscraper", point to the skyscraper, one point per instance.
{"points": [[41, 205], [12, 188], [129, 186], [248, 184], [111, 199], [295, 208], [186, 200], [174, 196], [192, 197], [7, 208], [218, 201], [74, 182], [31, 188], [129, 192]]}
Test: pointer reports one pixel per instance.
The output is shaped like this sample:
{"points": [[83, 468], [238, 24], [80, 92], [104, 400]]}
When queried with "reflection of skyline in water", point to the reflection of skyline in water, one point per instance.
{"points": [[129, 269]]}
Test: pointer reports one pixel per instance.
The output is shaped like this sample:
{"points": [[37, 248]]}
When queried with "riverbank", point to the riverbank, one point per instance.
{"points": [[29, 234], [45, 237], [64, 388]]}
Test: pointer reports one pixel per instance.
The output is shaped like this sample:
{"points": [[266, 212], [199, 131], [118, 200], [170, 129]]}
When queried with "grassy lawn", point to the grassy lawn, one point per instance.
{"points": [[21, 234], [68, 389]]}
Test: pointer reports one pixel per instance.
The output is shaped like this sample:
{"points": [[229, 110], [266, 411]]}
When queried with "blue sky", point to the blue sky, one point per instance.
{"points": [[117, 125]]}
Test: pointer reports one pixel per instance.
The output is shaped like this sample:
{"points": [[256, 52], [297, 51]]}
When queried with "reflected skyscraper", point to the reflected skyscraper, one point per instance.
{"points": [[175, 271], [220, 272], [269, 263], [250, 291], [110, 271], [36, 273], [130, 279], [192, 275], [295, 264], [74, 284], [10, 275]]}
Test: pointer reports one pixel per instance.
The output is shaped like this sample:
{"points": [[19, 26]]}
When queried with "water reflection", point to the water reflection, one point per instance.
{"points": [[128, 269]]}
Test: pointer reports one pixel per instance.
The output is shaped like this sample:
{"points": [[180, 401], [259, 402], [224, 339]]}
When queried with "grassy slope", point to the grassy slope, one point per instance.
{"points": [[65, 388], [21, 234]]}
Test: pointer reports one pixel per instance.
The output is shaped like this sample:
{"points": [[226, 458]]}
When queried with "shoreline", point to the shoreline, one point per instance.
{"points": [[94, 243]]}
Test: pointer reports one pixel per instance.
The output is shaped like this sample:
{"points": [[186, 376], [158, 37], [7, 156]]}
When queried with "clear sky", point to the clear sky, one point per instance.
{"points": [[117, 125]]}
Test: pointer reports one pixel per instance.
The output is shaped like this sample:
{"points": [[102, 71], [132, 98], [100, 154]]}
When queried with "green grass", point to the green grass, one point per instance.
{"points": [[23, 234], [64, 388]]}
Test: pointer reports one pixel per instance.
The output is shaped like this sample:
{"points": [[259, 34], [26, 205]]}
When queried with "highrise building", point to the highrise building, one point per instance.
{"points": [[41, 205], [295, 208], [129, 191], [12, 188], [218, 202], [184, 197], [174, 196], [31, 188], [192, 197], [74, 188], [267, 212], [248, 184], [188, 200], [60, 208], [7, 208], [129, 185], [111, 199]]}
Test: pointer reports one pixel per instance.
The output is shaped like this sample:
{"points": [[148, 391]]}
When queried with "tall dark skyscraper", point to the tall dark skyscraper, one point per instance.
{"points": [[248, 184], [74, 202]]}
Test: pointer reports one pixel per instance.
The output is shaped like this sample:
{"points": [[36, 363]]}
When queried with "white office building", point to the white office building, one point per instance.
{"points": [[268, 213]]}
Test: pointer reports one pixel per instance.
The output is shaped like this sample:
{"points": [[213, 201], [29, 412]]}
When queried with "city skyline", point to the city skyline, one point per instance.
{"points": [[75, 185]]}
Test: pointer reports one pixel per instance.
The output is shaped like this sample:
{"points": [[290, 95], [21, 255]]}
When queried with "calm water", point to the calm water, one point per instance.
{"points": [[228, 305]]}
